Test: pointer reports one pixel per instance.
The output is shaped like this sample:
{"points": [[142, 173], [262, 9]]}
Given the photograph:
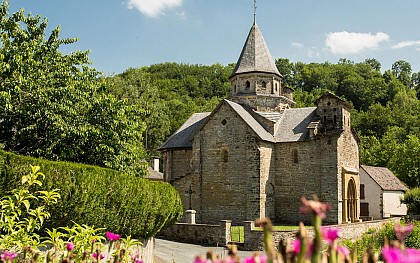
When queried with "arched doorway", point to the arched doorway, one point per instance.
{"points": [[351, 201]]}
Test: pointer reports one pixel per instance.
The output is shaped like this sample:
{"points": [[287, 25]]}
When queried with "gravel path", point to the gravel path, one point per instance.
{"points": [[170, 251]]}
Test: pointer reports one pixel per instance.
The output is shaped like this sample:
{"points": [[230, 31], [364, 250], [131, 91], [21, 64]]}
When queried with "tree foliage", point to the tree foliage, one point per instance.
{"points": [[169, 93], [55, 106]]}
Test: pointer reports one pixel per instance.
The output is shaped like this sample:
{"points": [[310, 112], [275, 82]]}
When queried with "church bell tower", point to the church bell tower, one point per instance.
{"points": [[256, 81]]}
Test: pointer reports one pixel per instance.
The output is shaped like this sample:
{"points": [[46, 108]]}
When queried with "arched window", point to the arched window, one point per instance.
{"points": [[248, 85], [295, 156], [263, 85]]}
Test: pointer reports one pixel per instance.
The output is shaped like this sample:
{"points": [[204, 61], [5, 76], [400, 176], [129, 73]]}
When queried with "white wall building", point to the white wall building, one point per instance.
{"points": [[380, 193]]}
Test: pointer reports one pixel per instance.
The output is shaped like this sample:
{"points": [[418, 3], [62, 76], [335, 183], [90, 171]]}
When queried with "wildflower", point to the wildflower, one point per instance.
{"points": [[344, 251], [112, 237], [315, 207], [256, 259], [330, 234], [138, 261], [395, 255], [70, 246], [8, 256], [199, 260], [98, 257], [403, 231], [296, 246]]}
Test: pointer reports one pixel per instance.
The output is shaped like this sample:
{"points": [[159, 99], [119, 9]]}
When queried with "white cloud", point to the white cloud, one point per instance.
{"points": [[344, 43], [403, 44], [298, 45], [153, 8]]}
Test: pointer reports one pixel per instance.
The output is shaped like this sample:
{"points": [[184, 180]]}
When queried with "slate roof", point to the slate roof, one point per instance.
{"points": [[251, 121], [182, 137], [384, 178], [272, 116], [255, 56], [294, 124]]}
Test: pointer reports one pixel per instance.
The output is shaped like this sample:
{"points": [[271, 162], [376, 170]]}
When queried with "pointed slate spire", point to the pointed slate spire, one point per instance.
{"points": [[255, 56]]}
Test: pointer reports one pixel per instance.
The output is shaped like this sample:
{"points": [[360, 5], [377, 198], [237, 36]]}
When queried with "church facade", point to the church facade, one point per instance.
{"points": [[255, 155]]}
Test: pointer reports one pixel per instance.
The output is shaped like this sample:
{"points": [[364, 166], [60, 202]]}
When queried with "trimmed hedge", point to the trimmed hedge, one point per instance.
{"points": [[98, 197]]}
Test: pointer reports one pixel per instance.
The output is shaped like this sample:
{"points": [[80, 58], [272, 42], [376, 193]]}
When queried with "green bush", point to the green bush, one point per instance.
{"points": [[375, 239], [412, 200], [98, 197], [413, 240]]}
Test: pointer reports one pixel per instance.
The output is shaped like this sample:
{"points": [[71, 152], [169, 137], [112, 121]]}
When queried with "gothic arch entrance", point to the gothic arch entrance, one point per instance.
{"points": [[351, 201], [350, 195]]}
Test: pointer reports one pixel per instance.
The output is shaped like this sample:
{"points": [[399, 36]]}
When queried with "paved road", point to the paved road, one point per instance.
{"points": [[169, 251]]}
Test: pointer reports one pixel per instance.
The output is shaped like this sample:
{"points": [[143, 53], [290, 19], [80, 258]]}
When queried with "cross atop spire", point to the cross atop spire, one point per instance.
{"points": [[255, 12]]}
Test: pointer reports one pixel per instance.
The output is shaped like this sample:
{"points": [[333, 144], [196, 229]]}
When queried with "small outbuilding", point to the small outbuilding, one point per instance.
{"points": [[380, 193]]}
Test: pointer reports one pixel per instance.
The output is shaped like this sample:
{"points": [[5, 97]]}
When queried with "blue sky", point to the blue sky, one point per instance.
{"points": [[132, 33]]}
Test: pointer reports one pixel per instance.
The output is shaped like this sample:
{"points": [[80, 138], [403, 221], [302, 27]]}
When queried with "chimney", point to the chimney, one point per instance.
{"points": [[156, 164]]}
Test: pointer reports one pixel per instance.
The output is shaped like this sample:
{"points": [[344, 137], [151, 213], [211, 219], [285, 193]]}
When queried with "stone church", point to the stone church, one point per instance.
{"points": [[255, 155]]}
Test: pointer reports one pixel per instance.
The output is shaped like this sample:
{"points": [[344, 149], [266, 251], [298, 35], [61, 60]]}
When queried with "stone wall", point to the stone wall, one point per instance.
{"points": [[228, 169], [254, 238], [177, 164], [220, 234], [202, 234], [305, 169], [183, 185]]}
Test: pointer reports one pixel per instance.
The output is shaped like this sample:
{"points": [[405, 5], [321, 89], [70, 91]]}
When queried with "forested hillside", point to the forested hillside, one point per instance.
{"points": [[386, 104], [169, 93]]}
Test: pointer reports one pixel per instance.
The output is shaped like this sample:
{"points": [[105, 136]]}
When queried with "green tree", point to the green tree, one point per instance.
{"points": [[402, 70], [406, 161], [55, 105]]}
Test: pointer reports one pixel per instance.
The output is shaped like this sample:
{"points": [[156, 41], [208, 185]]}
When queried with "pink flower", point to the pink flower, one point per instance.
{"points": [[112, 237], [344, 251], [96, 256], [403, 231], [315, 207], [296, 246], [70, 246], [229, 260], [199, 260], [256, 259], [139, 261], [330, 234], [395, 255], [8, 256]]}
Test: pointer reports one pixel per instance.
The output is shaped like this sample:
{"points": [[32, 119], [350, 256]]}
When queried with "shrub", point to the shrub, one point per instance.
{"points": [[98, 197], [413, 240], [412, 200]]}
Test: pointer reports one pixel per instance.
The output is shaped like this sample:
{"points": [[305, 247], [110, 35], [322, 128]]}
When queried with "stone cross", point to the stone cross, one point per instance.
{"points": [[190, 192]]}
